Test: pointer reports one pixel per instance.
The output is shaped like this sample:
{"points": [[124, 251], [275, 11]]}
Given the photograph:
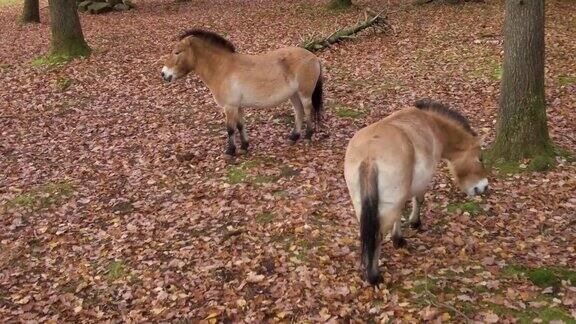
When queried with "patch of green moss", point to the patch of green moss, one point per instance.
{"points": [[63, 82], [51, 60], [43, 197], [566, 80], [542, 163], [467, 206], [528, 315], [116, 270], [345, 112], [564, 153], [236, 174], [541, 276], [339, 5], [265, 218]]}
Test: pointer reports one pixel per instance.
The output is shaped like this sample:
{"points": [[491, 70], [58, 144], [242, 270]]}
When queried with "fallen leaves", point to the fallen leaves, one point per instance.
{"points": [[116, 205]]}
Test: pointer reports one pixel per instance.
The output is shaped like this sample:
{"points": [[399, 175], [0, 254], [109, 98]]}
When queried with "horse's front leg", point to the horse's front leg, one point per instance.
{"points": [[231, 113], [243, 133]]}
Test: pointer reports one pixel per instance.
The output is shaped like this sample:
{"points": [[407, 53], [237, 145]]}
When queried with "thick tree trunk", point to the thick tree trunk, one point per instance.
{"points": [[340, 4], [521, 131], [31, 12], [67, 37]]}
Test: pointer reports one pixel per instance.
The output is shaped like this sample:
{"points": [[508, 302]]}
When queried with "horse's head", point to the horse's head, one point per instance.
{"points": [[467, 167], [180, 61]]}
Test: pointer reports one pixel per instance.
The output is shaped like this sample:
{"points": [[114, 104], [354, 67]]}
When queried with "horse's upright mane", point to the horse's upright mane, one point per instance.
{"points": [[209, 37], [442, 109]]}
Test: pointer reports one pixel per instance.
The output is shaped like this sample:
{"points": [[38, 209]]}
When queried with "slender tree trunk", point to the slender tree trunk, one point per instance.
{"points": [[31, 12], [521, 131], [67, 37]]}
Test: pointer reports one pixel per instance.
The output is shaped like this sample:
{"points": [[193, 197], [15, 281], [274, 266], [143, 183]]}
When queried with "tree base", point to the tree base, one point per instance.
{"points": [[540, 162]]}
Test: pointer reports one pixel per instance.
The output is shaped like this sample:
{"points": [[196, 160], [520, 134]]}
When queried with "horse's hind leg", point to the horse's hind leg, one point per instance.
{"points": [[414, 219], [307, 104], [243, 133], [298, 112], [397, 240], [231, 125]]}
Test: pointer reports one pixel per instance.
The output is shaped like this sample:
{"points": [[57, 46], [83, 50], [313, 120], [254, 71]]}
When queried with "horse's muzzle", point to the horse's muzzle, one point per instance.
{"points": [[167, 77]]}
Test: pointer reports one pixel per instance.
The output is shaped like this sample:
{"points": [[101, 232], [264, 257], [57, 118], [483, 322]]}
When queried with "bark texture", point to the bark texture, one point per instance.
{"points": [[31, 11], [521, 131], [67, 37]]}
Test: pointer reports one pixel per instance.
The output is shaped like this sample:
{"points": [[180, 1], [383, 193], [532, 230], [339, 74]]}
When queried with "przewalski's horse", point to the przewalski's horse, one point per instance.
{"points": [[394, 160], [239, 80]]}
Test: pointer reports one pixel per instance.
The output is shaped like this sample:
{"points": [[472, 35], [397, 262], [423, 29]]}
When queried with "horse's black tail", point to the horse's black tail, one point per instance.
{"points": [[317, 99], [369, 222]]}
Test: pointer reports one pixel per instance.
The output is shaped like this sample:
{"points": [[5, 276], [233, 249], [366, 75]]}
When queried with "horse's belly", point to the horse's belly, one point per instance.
{"points": [[423, 174], [266, 96]]}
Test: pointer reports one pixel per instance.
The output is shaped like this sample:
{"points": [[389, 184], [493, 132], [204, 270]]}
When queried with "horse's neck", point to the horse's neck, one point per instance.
{"points": [[211, 64], [451, 135]]}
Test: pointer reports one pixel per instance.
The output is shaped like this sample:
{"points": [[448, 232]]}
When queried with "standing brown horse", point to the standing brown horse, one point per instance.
{"points": [[239, 80], [394, 160]]}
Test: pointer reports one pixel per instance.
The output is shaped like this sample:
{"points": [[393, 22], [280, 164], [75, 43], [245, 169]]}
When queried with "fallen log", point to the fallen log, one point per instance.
{"points": [[372, 19]]}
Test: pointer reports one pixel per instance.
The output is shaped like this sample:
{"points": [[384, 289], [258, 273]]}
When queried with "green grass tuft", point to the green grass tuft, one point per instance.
{"points": [[467, 206], [43, 197], [116, 270], [236, 174], [566, 80], [51, 60], [63, 82], [346, 112], [265, 218], [542, 276]]}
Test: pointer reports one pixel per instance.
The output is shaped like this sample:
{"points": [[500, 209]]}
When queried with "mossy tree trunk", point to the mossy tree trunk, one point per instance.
{"points": [[340, 4], [31, 11], [521, 130], [67, 37]]}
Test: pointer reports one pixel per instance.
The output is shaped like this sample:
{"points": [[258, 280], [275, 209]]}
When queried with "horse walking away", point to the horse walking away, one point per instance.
{"points": [[393, 160], [240, 80]]}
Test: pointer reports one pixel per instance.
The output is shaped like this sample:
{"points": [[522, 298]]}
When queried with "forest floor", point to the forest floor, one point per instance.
{"points": [[116, 203]]}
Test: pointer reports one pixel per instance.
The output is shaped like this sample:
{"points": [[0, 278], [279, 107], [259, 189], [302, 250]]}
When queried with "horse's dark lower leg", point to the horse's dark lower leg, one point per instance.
{"points": [[231, 149], [243, 138], [397, 240], [414, 219], [294, 136], [298, 112]]}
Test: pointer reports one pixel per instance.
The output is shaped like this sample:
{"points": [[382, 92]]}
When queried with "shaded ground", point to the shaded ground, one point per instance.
{"points": [[116, 204]]}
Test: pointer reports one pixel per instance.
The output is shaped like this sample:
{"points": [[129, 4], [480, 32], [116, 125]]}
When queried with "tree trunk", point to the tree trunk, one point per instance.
{"points": [[67, 37], [31, 12], [340, 4], [521, 131]]}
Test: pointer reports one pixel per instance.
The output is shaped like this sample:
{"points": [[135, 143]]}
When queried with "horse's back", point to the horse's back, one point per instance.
{"points": [[403, 147]]}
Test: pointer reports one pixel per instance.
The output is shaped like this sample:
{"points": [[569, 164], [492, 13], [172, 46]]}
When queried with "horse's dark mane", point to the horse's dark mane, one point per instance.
{"points": [[442, 109], [209, 37]]}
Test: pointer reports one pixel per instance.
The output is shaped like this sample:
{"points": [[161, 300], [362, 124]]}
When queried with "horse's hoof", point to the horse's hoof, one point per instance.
{"points": [[374, 278], [417, 226], [243, 151], [399, 242], [293, 138], [229, 158]]}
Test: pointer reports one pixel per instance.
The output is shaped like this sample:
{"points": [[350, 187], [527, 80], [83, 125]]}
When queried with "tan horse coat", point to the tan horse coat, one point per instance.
{"points": [[240, 80], [394, 160]]}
